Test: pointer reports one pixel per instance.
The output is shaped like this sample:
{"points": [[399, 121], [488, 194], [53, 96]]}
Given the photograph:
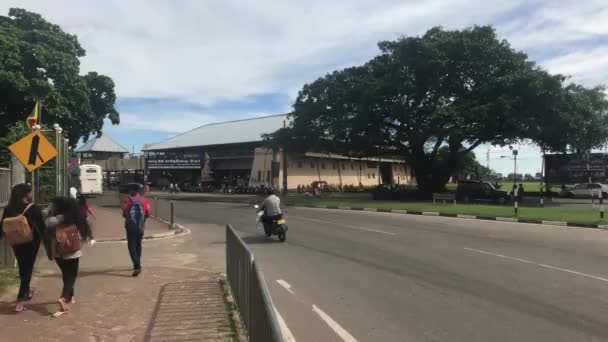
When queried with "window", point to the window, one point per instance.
{"points": [[594, 186], [259, 176], [360, 167], [368, 176], [312, 165], [343, 166], [373, 175], [299, 165], [323, 166], [268, 176]]}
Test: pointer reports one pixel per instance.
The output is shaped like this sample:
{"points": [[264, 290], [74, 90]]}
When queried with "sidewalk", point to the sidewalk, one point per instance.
{"points": [[108, 224], [167, 302]]}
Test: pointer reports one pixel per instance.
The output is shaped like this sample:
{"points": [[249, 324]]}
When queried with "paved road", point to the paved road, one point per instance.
{"points": [[389, 277]]}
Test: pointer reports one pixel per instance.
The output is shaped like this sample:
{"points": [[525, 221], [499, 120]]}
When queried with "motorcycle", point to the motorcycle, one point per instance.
{"points": [[277, 227]]}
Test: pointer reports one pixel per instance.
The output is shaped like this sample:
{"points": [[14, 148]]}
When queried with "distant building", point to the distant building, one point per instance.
{"points": [[237, 156], [100, 148], [518, 177]]}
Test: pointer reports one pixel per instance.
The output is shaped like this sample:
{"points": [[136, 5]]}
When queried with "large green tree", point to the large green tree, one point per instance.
{"points": [[445, 89], [38, 60]]}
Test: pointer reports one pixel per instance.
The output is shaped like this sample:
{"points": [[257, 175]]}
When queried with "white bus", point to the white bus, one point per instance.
{"points": [[91, 179]]}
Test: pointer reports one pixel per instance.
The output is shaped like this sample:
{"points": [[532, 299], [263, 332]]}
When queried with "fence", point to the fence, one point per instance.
{"points": [[6, 253], [250, 291], [163, 209]]}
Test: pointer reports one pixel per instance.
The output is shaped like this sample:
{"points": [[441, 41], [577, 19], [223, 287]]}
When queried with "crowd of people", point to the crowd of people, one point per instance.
{"points": [[68, 223]]}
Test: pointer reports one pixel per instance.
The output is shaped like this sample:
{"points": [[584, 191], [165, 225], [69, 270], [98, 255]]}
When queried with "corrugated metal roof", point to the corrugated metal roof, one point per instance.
{"points": [[230, 132], [101, 144]]}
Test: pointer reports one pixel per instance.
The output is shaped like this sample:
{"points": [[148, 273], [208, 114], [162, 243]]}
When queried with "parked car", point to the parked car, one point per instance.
{"points": [[585, 190], [470, 191]]}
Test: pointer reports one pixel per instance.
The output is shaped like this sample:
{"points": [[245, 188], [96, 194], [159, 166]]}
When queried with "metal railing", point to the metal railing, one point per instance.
{"points": [[163, 209], [250, 291], [5, 186], [6, 253]]}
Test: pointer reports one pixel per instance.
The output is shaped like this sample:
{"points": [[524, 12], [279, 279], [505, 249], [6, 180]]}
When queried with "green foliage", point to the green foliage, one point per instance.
{"points": [[40, 61], [13, 134], [446, 89]]}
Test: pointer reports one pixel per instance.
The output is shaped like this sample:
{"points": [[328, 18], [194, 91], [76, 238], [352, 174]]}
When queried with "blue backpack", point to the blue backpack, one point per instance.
{"points": [[135, 216]]}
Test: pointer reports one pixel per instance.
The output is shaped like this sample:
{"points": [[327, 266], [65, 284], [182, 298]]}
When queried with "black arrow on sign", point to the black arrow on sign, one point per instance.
{"points": [[34, 154]]}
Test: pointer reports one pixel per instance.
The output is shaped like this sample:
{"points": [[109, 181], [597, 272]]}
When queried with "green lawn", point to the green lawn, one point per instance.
{"points": [[8, 276], [574, 215]]}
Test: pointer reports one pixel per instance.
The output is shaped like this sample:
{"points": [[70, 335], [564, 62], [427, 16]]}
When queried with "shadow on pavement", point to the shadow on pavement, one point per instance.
{"points": [[8, 308], [126, 273], [261, 239]]}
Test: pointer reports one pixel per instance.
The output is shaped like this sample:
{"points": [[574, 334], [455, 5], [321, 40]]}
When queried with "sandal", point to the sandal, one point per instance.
{"points": [[19, 307], [63, 308]]}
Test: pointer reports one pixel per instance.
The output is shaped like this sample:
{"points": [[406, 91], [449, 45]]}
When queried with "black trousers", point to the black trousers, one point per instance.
{"points": [[134, 239], [69, 272], [26, 257]]}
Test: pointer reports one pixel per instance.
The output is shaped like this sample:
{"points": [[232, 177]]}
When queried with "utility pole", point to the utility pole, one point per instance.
{"points": [[58, 160]]}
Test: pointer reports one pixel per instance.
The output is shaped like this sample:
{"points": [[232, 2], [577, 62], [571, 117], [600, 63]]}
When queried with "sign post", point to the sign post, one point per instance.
{"points": [[33, 151]]}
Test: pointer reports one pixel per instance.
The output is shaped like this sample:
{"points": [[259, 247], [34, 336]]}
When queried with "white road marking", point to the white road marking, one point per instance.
{"points": [[348, 226], [285, 285], [287, 335], [344, 335], [538, 264]]}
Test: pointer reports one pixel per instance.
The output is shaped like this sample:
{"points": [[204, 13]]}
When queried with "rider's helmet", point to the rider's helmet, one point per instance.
{"points": [[269, 191]]}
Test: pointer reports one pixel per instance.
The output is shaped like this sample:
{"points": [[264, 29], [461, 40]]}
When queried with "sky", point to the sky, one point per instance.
{"points": [[179, 64]]}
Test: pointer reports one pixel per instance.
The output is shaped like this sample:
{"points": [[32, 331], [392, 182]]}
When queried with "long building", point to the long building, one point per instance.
{"points": [[234, 153]]}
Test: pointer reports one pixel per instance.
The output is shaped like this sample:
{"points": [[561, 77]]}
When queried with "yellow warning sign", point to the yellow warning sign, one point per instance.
{"points": [[33, 150]]}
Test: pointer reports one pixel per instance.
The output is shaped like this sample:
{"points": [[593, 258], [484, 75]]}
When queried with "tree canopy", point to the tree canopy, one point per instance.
{"points": [[40, 61], [445, 89]]}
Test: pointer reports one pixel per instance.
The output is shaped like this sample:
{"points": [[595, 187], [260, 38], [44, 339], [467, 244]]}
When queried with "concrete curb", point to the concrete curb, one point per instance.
{"points": [[467, 217], [178, 231]]}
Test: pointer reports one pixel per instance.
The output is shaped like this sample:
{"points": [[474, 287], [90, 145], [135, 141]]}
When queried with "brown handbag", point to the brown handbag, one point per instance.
{"points": [[67, 239], [17, 230]]}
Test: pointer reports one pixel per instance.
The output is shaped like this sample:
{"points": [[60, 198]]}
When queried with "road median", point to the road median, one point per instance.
{"points": [[570, 217]]}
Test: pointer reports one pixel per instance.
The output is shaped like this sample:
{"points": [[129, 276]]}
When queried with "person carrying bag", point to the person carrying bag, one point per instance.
{"points": [[67, 227], [23, 229]]}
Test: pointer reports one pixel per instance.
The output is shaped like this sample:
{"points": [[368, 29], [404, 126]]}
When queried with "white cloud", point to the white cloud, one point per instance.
{"points": [[587, 67], [213, 50], [206, 51]]}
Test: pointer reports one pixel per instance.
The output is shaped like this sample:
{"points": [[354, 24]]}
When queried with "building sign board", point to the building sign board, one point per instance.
{"points": [[159, 160]]}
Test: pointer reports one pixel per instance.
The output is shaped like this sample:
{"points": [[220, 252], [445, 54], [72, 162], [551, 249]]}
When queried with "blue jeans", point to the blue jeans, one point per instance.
{"points": [[134, 239]]}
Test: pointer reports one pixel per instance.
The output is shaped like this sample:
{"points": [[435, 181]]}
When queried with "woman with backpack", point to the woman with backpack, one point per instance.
{"points": [[66, 227], [23, 229]]}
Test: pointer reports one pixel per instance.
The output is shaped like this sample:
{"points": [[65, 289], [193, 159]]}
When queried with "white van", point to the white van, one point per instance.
{"points": [[91, 179]]}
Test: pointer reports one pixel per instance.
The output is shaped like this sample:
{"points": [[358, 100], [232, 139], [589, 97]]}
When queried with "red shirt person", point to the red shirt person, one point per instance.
{"points": [[134, 226]]}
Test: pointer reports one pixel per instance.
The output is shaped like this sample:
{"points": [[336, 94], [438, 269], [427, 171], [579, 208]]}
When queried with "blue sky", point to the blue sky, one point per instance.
{"points": [[181, 64]]}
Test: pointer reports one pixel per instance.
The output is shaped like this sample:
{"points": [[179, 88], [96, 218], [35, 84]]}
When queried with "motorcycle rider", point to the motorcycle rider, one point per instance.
{"points": [[272, 209]]}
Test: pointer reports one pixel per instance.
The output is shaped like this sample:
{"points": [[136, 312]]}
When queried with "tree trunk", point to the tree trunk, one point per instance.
{"points": [[431, 176]]}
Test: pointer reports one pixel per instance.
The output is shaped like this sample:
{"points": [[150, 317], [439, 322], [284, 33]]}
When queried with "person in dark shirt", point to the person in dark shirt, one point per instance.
{"points": [[20, 203]]}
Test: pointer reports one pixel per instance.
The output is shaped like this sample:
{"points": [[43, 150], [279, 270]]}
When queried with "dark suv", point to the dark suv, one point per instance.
{"points": [[468, 191]]}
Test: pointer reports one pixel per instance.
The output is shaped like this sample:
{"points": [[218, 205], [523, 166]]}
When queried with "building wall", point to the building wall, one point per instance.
{"points": [[306, 170]]}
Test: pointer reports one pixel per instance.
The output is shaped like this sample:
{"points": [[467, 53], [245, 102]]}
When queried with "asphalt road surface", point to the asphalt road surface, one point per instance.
{"points": [[361, 276]]}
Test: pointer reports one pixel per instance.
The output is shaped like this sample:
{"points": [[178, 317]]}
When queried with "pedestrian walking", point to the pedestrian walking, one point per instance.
{"points": [[66, 227], [135, 210], [520, 193], [23, 229]]}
